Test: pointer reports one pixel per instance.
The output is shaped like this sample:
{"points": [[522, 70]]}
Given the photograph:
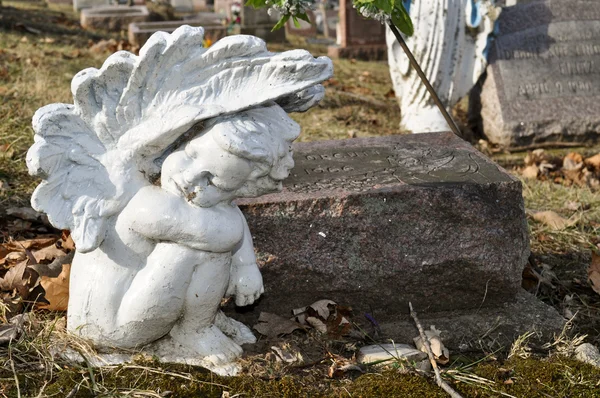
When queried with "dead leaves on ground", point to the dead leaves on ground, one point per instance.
{"points": [[272, 325], [554, 221], [34, 272], [325, 316], [111, 46], [573, 169]]}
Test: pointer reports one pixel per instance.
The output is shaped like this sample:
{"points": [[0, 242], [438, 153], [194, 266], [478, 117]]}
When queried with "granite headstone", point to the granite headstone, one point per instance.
{"points": [[375, 223], [543, 82]]}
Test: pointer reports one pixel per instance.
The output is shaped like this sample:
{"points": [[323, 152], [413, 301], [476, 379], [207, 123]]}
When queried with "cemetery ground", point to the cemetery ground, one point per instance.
{"points": [[42, 47]]}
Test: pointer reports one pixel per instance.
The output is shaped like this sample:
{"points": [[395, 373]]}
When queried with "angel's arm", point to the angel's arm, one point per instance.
{"points": [[160, 216], [245, 282]]}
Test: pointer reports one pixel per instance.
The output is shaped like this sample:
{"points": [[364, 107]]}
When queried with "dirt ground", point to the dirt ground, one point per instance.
{"points": [[42, 47]]}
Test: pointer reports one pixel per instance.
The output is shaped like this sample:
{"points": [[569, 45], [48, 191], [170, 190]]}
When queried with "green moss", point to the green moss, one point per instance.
{"points": [[393, 383], [556, 377]]}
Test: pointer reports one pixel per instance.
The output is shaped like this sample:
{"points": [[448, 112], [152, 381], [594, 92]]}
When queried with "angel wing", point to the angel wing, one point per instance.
{"points": [[93, 156]]}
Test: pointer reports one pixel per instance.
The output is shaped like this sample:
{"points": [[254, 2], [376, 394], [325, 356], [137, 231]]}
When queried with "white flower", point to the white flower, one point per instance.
{"points": [[369, 11], [293, 7]]}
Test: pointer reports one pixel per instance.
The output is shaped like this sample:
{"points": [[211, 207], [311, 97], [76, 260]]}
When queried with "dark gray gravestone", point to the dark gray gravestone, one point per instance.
{"points": [[377, 222], [543, 82]]}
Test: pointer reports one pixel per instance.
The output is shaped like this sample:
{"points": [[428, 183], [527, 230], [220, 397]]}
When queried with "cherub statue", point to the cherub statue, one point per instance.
{"points": [[143, 170]]}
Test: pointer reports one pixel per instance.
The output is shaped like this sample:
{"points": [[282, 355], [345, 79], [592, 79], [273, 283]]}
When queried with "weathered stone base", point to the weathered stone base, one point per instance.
{"points": [[106, 357], [367, 52], [478, 329], [484, 328]]}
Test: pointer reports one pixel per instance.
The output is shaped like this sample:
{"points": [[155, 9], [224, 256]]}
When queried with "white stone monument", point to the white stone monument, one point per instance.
{"points": [[143, 169], [450, 45]]}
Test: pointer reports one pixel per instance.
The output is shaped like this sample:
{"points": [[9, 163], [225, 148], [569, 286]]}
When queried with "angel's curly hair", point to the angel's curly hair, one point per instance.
{"points": [[249, 134]]}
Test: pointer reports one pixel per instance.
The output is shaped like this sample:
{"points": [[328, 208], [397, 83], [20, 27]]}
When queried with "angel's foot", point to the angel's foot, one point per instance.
{"points": [[239, 333], [219, 358], [210, 344]]}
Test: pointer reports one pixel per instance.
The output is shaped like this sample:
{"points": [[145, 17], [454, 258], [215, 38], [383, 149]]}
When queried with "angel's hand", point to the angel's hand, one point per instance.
{"points": [[246, 284]]}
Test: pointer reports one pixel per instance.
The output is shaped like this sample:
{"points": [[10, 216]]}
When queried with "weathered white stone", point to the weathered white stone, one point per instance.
{"points": [[388, 352], [449, 44], [588, 353], [154, 261]]}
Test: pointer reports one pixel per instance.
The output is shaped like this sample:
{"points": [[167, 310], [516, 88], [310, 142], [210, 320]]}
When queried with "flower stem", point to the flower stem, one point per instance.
{"points": [[425, 81]]}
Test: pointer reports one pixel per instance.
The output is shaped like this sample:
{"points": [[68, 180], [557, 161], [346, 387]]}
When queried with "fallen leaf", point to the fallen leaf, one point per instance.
{"points": [[575, 157], [593, 161], [286, 354], [535, 157], [546, 167], [48, 254], [440, 352], [3, 251], [574, 206], [340, 366], [594, 272], [553, 220], [272, 325], [569, 164], [57, 290], [530, 172], [13, 328], [29, 244], [6, 151], [67, 241], [16, 256], [14, 277], [326, 316]]}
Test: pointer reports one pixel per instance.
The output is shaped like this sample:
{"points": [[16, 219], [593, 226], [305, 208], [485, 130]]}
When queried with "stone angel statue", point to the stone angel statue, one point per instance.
{"points": [[450, 45], [144, 169]]}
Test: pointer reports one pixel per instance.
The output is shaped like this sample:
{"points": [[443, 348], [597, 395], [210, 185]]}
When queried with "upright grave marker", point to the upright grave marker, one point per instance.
{"points": [[543, 82], [358, 37]]}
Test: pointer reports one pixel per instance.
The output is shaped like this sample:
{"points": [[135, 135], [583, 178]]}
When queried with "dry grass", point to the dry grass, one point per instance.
{"points": [[543, 195], [35, 70]]}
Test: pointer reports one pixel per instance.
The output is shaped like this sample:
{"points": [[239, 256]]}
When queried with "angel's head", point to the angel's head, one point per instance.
{"points": [[246, 154]]}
